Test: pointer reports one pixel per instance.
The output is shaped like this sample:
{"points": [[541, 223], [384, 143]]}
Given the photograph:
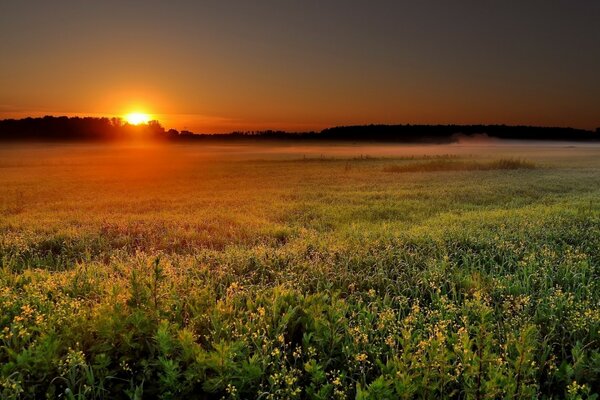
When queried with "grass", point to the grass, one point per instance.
{"points": [[195, 272], [442, 165]]}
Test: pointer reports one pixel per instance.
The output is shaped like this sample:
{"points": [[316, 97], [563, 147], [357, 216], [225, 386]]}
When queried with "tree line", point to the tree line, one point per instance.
{"points": [[77, 128], [51, 128], [404, 134]]}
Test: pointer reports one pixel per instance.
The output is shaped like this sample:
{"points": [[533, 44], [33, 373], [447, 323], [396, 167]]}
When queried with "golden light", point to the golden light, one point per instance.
{"points": [[137, 118]]}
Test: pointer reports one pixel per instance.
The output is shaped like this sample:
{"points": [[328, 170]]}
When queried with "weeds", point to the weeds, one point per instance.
{"points": [[440, 165], [306, 280]]}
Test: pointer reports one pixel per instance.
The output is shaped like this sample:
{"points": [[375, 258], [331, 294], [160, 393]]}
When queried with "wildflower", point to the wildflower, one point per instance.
{"points": [[290, 379], [390, 341], [234, 288], [125, 366], [574, 388], [231, 390], [26, 310], [297, 353]]}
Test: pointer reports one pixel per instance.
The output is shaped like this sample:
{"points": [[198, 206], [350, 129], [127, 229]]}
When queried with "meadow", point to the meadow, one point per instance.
{"points": [[298, 271]]}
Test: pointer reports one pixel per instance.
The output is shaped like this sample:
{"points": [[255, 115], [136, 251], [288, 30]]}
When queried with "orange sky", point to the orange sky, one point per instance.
{"points": [[215, 67]]}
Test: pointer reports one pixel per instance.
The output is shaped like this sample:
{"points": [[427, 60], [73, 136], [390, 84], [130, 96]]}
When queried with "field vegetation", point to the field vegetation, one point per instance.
{"points": [[279, 272], [448, 164]]}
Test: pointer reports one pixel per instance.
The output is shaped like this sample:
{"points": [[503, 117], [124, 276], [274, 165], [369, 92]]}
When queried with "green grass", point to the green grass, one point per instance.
{"points": [[228, 272], [443, 165]]}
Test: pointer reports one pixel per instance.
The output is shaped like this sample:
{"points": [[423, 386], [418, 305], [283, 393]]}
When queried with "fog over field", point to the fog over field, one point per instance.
{"points": [[487, 147]]}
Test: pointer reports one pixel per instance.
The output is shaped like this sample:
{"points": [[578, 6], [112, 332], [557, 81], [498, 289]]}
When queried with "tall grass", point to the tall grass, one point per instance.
{"points": [[440, 165], [286, 280]]}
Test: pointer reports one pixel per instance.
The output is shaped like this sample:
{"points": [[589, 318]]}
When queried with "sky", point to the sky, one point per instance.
{"points": [[219, 66]]}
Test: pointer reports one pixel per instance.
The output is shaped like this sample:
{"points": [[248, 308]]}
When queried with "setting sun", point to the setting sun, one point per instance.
{"points": [[137, 118]]}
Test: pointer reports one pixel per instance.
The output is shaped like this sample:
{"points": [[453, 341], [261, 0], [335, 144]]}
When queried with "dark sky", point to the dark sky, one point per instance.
{"points": [[223, 65]]}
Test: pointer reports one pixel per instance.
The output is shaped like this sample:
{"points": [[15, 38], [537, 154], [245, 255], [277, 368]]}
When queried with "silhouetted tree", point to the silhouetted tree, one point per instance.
{"points": [[51, 128], [172, 133]]}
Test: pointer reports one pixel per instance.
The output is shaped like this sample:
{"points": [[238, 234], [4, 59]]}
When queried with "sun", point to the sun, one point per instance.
{"points": [[137, 118]]}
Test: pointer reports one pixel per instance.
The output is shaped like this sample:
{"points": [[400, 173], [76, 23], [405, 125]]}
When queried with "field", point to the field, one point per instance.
{"points": [[281, 271]]}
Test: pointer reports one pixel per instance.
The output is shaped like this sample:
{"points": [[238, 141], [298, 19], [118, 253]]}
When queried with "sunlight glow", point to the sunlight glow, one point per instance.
{"points": [[137, 118]]}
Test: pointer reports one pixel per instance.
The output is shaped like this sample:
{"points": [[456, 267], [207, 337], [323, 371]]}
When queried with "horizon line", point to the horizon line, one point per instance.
{"points": [[365, 124]]}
